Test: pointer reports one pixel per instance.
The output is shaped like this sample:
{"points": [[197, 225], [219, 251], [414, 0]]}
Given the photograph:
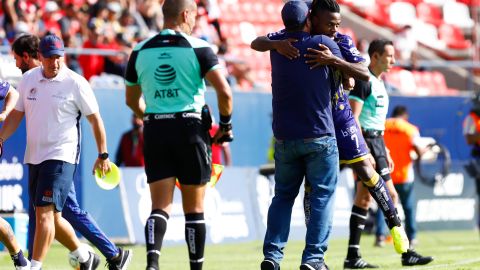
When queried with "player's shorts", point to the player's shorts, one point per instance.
{"points": [[177, 145], [376, 144], [351, 145], [50, 182]]}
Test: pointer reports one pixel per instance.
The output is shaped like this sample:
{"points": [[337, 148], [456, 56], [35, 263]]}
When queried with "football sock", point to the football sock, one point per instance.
{"points": [[195, 233], [377, 188], [36, 265], [155, 229], [18, 259], [357, 224], [82, 254]]}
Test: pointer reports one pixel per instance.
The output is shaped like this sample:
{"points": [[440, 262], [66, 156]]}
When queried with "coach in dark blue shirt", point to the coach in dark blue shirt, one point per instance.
{"points": [[301, 96], [305, 142]]}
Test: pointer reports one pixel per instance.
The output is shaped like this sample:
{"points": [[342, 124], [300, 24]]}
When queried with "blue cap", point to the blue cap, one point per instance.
{"points": [[294, 14], [51, 45]]}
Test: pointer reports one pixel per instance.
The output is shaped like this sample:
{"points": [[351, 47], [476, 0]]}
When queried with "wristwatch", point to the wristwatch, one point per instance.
{"points": [[103, 156]]}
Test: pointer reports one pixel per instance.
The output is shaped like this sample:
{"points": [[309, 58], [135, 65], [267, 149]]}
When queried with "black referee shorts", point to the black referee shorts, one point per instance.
{"points": [[376, 144], [178, 147]]}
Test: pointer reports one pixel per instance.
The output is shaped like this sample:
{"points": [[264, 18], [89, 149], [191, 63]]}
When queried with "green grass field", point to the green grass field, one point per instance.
{"points": [[452, 250]]}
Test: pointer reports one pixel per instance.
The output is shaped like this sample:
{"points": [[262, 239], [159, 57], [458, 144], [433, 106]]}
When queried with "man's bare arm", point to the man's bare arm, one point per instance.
{"points": [[323, 56], [11, 124], [134, 100], [10, 101], [100, 136], [224, 101], [283, 47]]}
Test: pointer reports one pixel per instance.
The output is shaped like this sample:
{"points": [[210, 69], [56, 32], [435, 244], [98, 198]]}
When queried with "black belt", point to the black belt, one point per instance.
{"points": [[166, 116], [372, 133]]}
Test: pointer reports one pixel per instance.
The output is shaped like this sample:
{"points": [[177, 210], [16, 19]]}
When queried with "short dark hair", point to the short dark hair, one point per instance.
{"points": [[378, 46], [325, 5], [399, 111], [28, 44], [172, 8]]}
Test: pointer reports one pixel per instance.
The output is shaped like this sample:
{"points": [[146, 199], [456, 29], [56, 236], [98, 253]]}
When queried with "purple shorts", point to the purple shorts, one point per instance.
{"points": [[351, 144]]}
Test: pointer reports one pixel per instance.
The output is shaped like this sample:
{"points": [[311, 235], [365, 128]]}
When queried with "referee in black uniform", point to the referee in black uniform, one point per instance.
{"points": [[169, 70]]}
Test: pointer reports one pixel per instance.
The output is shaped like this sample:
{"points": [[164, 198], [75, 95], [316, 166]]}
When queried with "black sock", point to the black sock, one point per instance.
{"points": [[382, 196], [155, 229], [195, 233], [18, 259], [357, 224]]}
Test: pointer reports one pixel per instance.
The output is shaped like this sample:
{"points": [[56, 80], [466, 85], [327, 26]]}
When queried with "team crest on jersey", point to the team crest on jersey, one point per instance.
{"points": [[165, 74], [32, 94]]}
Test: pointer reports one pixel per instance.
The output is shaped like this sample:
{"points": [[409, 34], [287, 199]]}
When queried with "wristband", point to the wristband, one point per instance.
{"points": [[103, 156], [225, 119]]}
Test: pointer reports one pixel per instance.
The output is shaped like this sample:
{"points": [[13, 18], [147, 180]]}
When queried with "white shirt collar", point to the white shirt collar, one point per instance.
{"points": [[62, 73]]}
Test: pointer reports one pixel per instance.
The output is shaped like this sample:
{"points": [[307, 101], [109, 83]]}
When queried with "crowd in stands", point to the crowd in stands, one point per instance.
{"points": [[115, 26]]}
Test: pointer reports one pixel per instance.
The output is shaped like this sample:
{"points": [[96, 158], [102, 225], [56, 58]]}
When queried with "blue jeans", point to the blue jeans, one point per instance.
{"points": [[317, 160], [81, 221], [407, 199]]}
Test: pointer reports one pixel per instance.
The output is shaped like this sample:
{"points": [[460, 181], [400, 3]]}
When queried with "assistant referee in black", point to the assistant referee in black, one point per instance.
{"points": [[169, 70]]}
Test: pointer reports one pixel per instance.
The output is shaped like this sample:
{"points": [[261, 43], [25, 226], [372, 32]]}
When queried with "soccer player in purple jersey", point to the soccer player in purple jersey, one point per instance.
{"points": [[325, 17]]}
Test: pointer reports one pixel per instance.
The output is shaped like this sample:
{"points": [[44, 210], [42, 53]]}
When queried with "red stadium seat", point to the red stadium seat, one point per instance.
{"points": [[453, 37], [360, 7], [403, 80], [393, 78], [423, 83], [438, 81], [427, 34], [457, 14], [432, 83], [429, 13], [379, 14], [402, 13]]}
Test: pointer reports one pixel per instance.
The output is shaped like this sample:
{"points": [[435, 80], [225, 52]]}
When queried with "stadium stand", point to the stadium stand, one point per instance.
{"points": [[430, 13], [453, 37], [458, 14], [242, 22], [402, 13], [442, 27]]}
